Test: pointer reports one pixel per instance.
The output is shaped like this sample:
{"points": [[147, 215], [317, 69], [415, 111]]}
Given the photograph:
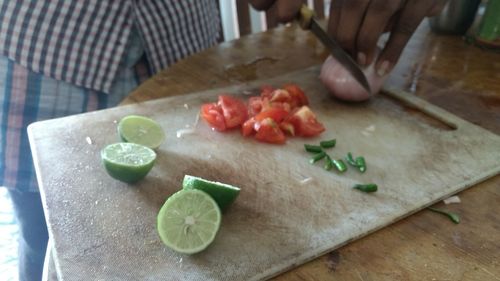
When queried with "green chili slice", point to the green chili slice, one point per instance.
{"points": [[313, 148], [452, 216], [317, 157], [340, 165], [328, 163], [351, 160], [371, 187], [361, 164], [328, 144]]}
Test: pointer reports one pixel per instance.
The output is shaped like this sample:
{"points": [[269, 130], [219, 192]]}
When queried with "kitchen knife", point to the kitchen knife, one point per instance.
{"points": [[307, 21]]}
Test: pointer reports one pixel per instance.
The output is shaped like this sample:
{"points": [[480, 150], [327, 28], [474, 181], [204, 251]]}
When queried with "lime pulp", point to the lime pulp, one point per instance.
{"points": [[141, 130], [188, 221], [128, 162]]}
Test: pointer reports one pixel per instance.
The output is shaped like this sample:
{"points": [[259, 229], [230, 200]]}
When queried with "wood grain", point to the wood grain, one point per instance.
{"points": [[445, 70]]}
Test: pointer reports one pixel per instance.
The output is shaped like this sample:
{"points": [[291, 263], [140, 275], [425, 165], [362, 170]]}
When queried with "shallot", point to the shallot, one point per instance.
{"points": [[342, 84]]}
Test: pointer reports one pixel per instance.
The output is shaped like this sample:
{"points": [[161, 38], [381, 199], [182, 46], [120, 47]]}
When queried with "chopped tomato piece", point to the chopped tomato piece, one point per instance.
{"points": [[280, 95], [277, 114], [269, 132], [234, 111], [248, 127], [266, 91], [296, 94], [254, 106], [287, 128], [282, 105], [269, 117], [267, 104], [212, 113], [305, 123]]}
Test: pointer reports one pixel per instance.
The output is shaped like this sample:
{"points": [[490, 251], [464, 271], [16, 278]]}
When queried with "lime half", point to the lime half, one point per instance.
{"points": [[188, 221], [141, 130], [223, 194], [128, 162]]}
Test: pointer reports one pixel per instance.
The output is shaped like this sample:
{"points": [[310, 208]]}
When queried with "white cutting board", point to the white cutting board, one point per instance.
{"points": [[103, 229]]}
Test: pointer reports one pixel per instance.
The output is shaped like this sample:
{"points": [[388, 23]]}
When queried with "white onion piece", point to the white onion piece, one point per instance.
{"points": [[182, 132], [306, 181], [452, 199], [196, 120]]}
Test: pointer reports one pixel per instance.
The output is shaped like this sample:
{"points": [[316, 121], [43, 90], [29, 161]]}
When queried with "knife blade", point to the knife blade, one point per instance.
{"points": [[307, 21]]}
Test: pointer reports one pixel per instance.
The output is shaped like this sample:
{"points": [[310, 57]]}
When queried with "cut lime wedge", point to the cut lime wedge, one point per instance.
{"points": [[223, 194], [128, 162], [141, 130], [188, 221]]}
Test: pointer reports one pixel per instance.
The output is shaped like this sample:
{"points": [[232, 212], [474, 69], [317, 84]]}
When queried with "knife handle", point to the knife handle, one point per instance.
{"points": [[305, 17]]}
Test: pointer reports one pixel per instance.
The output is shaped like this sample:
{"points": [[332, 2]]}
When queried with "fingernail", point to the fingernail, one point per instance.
{"points": [[383, 68], [361, 59]]}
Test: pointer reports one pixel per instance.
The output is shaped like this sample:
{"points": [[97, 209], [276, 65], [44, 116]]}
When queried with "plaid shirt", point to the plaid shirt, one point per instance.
{"points": [[82, 41], [61, 56]]}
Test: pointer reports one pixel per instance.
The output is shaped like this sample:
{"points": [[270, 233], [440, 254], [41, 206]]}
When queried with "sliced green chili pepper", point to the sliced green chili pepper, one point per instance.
{"points": [[452, 216], [361, 164], [351, 160], [317, 157], [313, 148], [371, 187], [328, 143], [340, 165], [328, 163]]}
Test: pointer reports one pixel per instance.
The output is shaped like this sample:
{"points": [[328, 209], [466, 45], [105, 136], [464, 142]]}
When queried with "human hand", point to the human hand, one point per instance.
{"points": [[358, 24], [287, 10]]}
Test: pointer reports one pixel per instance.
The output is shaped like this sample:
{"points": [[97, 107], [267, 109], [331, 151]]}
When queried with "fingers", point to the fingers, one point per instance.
{"points": [[411, 16], [378, 16], [261, 4], [334, 18], [351, 17], [288, 9]]}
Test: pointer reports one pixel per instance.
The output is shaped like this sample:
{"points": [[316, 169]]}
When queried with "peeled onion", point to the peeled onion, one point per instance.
{"points": [[342, 84]]}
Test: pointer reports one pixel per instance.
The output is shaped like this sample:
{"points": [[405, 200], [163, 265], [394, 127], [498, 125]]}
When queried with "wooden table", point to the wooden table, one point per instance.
{"points": [[461, 78]]}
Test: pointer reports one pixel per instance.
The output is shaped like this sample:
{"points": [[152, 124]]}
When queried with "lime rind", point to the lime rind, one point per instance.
{"points": [[141, 130], [223, 194], [189, 221], [128, 162]]}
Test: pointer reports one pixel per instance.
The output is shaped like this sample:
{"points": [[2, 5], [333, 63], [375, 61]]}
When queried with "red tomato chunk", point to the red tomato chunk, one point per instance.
{"points": [[270, 116]]}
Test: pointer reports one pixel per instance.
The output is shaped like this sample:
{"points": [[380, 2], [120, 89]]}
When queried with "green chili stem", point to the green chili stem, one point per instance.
{"points": [[328, 163], [340, 165], [452, 216], [361, 164], [317, 157], [350, 160], [313, 148], [328, 143], [371, 187]]}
